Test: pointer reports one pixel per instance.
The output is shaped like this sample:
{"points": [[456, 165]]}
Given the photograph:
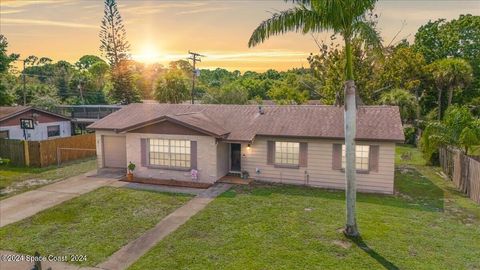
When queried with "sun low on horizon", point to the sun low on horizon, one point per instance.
{"points": [[148, 53]]}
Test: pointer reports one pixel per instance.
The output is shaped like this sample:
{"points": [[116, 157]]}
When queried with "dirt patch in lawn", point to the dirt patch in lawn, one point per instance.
{"points": [[26, 184], [342, 243]]}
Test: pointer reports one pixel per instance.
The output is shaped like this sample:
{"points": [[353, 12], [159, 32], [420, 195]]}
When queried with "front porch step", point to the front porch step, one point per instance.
{"points": [[234, 174]]}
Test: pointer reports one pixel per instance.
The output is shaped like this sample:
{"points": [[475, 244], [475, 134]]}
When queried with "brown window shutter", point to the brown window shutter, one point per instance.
{"points": [[373, 157], [270, 152], [193, 155], [143, 152], [303, 158], [337, 156]]}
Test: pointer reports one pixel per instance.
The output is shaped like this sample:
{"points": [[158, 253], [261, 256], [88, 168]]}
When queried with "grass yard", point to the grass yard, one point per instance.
{"points": [[426, 225], [95, 224], [408, 155], [475, 151], [14, 180]]}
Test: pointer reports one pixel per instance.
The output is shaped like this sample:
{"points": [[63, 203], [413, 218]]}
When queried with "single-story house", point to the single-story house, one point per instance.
{"points": [[29, 123], [286, 144]]}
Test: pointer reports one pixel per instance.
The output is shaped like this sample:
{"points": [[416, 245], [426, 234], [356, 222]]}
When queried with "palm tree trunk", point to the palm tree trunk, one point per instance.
{"points": [[350, 129], [417, 119], [450, 96], [439, 104]]}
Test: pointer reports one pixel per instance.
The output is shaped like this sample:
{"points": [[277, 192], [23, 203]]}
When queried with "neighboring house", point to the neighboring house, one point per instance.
{"points": [[39, 124], [286, 144]]}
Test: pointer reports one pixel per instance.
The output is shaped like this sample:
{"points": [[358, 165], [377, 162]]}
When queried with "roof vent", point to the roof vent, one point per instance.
{"points": [[261, 110]]}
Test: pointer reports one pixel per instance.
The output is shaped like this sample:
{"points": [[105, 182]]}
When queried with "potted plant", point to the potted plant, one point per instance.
{"points": [[131, 168], [245, 175]]}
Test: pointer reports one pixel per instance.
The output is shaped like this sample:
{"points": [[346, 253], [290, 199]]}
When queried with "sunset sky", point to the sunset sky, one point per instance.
{"points": [[165, 30]]}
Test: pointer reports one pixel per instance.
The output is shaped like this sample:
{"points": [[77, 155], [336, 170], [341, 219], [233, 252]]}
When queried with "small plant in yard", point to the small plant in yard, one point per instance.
{"points": [[407, 156], [131, 167], [4, 161]]}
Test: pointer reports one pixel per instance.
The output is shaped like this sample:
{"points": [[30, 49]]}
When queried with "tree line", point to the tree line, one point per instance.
{"points": [[440, 68]]}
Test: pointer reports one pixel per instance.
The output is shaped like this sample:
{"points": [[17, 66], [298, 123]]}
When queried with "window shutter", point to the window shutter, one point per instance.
{"points": [[143, 152], [193, 155], [303, 158], [270, 152], [337, 156], [373, 158]]}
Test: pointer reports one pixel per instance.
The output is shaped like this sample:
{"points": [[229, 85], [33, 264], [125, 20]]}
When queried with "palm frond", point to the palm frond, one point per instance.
{"points": [[303, 2], [367, 33], [296, 19]]}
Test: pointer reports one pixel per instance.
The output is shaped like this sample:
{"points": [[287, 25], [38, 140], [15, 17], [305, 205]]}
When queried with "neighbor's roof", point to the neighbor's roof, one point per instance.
{"points": [[7, 112], [244, 122]]}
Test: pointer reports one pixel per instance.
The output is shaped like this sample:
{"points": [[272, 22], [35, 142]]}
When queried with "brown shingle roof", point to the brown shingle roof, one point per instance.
{"points": [[244, 122], [7, 112], [272, 102]]}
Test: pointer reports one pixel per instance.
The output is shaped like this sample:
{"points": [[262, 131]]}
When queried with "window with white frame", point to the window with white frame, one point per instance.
{"points": [[169, 153], [287, 153], [361, 157]]}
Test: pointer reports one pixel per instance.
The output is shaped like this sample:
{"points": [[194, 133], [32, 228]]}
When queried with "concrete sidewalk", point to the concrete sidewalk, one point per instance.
{"points": [[131, 252], [29, 203]]}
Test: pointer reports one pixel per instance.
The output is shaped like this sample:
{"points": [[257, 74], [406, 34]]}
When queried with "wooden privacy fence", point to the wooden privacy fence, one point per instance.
{"points": [[48, 152], [463, 170], [13, 150]]}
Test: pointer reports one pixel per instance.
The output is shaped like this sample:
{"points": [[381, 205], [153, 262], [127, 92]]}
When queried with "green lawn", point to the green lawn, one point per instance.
{"points": [[408, 155], [475, 151], [95, 224], [14, 180], [426, 225]]}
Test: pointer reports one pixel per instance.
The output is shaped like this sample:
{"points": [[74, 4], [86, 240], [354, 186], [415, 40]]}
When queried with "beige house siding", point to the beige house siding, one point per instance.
{"points": [[223, 159], [213, 162], [206, 158], [319, 171]]}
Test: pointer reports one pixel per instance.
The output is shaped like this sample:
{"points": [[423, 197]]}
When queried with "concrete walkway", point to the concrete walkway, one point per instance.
{"points": [[29, 203], [131, 252]]}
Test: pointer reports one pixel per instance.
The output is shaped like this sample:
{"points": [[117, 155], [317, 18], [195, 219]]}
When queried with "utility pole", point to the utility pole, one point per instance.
{"points": [[24, 84], [80, 89], [195, 57]]}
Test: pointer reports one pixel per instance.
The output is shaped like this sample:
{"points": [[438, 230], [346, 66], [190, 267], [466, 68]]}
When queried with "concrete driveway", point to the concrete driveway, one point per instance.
{"points": [[29, 203]]}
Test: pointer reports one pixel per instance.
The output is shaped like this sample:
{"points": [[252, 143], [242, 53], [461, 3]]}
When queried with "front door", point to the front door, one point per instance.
{"points": [[235, 157]]}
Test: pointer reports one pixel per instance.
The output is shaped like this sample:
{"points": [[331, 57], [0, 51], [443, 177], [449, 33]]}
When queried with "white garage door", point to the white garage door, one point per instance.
{"points": [[114, 152]]}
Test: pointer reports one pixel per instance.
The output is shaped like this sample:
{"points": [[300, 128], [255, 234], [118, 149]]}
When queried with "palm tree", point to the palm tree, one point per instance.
{"points": [[450, 74], [344, 17]]}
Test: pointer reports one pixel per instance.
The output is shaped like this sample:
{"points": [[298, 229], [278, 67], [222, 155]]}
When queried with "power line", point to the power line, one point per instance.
{"points": [[195, 57]]}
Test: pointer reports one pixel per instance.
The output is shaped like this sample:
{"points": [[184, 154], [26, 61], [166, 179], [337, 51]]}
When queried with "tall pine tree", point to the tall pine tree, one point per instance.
{"points": [[115, 47], [113, 36]]}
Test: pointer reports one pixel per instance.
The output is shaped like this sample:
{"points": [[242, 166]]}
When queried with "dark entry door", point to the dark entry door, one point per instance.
{"points": [[235, 157]]}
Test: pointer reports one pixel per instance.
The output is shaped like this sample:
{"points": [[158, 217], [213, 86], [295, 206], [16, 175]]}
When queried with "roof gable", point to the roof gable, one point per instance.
{"points": [[183, 124], [165, 127], [10, 113]]}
